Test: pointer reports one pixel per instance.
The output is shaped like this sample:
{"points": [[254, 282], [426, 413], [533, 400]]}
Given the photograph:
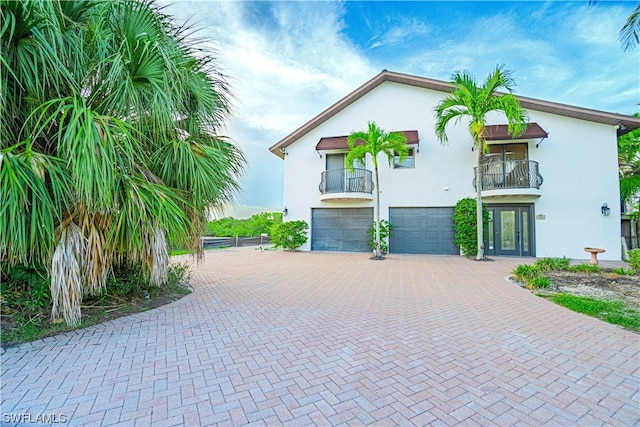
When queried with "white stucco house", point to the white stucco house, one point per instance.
{"points": [[545, 190]]}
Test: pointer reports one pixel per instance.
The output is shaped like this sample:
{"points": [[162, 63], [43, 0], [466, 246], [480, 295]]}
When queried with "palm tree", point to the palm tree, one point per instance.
{"points": [[373, 142], [109, 150], [467, 99]]}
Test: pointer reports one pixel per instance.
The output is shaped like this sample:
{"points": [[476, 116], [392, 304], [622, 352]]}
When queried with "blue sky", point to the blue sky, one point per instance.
{"points": [[287, 61]]}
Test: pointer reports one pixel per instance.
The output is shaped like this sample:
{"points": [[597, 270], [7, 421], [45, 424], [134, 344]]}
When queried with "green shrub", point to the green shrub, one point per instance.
{"points": [[289, 235], [539, 282], [585, 268], [531, 276], [178, 273], [634, 259], [129, 281], [553, 264], [624, 272], [385, 232], [25, 288], [526, 272], [465, 225]]}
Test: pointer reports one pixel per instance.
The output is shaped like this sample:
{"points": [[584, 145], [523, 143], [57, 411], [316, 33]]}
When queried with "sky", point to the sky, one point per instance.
{"points": [[287, 61]]}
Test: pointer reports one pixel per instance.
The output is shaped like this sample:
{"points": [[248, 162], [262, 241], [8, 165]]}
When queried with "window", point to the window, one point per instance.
{"points": [[505, 152], [409, 162]]}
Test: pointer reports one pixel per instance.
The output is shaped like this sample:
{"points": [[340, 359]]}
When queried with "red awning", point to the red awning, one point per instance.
{"points": [[500, 132], [340, 142]]}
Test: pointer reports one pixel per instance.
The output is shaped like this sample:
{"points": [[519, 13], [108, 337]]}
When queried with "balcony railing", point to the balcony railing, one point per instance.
{"points": [[509, 174], [344, 181]]}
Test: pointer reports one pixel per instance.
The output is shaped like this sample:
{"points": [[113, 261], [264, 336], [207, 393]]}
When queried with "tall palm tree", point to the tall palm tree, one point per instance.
{"points": [[109, 148], [373, 142], [467, 99]]}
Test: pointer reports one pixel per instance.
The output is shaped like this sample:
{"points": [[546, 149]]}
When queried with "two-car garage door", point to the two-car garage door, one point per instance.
{"points": [[414, 230], [422, 231]]}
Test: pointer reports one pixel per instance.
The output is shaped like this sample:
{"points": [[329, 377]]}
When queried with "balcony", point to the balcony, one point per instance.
{"points": [[343, 185], [519, 178]]}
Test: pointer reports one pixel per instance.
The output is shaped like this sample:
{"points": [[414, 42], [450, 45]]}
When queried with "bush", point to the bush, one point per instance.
{"points": [[289, 235], [634, 259], [553, 264], [24, 288], [526, 272], [531, 276], [585, 268], [178, 273], [128, 280], [465, 224], [539, 282], [624, 272], [385, 232]]}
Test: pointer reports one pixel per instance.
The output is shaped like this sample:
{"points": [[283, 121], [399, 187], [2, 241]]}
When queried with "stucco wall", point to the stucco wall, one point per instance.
{"points": [[578, 162]]}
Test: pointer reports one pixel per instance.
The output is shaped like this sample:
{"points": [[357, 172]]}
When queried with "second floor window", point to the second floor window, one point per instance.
{"points": [[408, 163]]}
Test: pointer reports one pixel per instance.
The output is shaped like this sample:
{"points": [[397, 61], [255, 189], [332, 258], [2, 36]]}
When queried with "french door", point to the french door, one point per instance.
{"points": [[510, 230]]}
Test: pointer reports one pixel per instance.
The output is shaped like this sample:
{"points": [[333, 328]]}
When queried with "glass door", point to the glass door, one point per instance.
{"points": [[510, 231], [335, 173]]}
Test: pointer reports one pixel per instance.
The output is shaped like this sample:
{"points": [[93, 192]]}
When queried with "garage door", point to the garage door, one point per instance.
{"points": [[341, 229], [422, 231]]}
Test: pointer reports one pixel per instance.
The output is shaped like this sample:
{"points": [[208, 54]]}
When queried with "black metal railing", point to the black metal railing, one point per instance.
{"points": [[509, 174], [344, 181]]}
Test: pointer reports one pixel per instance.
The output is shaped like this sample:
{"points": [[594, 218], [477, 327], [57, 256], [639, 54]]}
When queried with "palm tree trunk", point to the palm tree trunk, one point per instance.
{"points": [[480, 254], [378, 249]]}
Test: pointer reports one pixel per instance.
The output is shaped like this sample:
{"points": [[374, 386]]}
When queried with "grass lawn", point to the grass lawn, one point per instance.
{"points": [[614, 312]]}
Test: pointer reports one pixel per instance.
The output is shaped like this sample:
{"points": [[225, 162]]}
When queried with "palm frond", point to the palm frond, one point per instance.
{"points": [[97, 255], [142, 206], [629, 187], [517, 116], [630, 33], [34, 194]]}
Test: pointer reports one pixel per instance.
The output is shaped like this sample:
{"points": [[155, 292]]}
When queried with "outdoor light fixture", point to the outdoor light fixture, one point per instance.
{"points": [[285, 211], [606, 210]]}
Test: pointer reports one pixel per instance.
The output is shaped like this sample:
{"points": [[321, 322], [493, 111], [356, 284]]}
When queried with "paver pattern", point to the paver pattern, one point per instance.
{"points": [[277, 338]]}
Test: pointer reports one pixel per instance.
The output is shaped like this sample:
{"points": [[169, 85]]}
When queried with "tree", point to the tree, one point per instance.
{"points": [[467, 99], [629, 165], [108, 148], [374, 142]]}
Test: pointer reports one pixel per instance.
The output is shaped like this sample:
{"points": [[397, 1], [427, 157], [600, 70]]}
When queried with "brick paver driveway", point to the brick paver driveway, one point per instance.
{"points": [[325, 338]]}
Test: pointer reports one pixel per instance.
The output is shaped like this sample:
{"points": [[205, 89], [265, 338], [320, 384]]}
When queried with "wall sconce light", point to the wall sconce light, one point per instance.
{"points": [[605, 210], [285, 211]]}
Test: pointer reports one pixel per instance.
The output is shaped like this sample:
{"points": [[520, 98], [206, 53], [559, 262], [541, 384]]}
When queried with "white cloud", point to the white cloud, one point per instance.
{"points": [[402, 30]]}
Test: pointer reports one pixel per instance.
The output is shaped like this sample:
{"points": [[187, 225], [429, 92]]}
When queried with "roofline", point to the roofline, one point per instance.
{"points": [[630, 123]]}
